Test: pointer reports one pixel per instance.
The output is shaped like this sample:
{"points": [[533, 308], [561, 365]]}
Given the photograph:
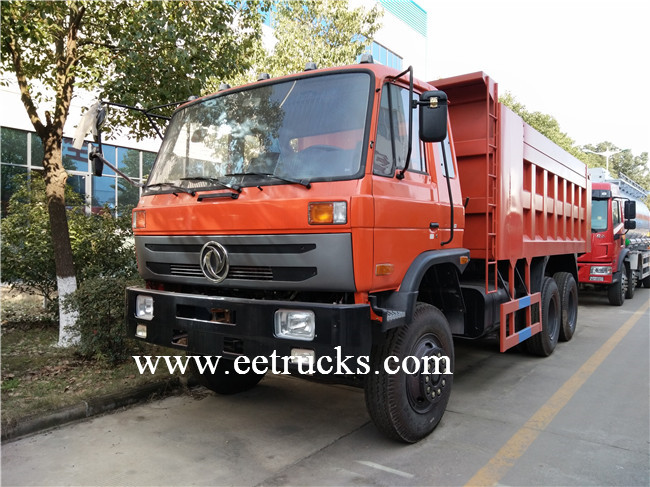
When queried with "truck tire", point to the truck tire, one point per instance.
{"points": [[544, 342], [568, 290], [408, 406], [616, 292], [631, 283], [226, 380], [646, 282]]}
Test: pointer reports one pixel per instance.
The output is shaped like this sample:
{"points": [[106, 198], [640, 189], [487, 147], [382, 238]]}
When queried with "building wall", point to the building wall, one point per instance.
{"points": [[404, 32], [21, 152]]}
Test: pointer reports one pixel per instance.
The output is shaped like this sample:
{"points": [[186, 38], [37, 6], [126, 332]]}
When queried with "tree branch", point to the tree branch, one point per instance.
{"points": [[66, 58], [25, 94]]}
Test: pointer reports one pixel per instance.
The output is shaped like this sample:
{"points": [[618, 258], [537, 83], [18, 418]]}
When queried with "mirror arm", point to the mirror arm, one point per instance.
{"points": [[147, 112]]}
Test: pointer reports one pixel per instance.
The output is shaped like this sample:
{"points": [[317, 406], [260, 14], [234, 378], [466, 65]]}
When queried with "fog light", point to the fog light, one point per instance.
{"points": [[141, 331], [302, 356], [602, 270], [144, 307], [295, 324]]}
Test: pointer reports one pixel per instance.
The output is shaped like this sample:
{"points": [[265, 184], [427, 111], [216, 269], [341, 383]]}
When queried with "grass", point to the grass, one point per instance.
{"points": [[37, 376]]}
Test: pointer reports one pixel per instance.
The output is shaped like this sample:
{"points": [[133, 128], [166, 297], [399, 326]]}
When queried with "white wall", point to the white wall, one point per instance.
{"points": [[14, 115]]}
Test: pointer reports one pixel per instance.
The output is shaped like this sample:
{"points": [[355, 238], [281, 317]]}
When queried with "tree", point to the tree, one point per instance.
{"points": [[26, 251], [623, 162], [546, 124], [328, 33], [132, 51]]}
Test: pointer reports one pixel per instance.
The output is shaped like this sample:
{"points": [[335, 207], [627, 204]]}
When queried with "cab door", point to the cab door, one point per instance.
{"points": [[406, 210]]}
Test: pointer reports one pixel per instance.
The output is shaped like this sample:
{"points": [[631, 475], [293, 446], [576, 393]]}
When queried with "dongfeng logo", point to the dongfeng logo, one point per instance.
{"points": [[214, 261]]}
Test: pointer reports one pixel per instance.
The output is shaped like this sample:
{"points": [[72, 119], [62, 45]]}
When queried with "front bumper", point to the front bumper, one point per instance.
{"points": [[586, 276], [232, 327]]}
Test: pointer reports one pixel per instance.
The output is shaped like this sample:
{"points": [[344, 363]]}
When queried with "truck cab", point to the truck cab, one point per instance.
{"points": [[612, 264]]}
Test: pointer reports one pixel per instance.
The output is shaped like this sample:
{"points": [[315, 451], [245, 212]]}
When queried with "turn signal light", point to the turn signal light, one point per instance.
{"points": [[139, 219], [328, 213], [384, 269]]}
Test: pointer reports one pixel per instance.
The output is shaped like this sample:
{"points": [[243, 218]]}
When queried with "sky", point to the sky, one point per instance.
{"points": [[584, 62]]}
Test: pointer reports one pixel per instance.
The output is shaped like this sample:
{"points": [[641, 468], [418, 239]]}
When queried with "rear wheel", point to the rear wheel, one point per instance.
{"points": [[225, 379], [544, 342], [568, 290], [408, 406], [616, 292]]}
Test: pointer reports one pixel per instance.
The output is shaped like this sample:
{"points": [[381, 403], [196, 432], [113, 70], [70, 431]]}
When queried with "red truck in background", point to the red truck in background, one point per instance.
{"points": [[619, 260], [358, 212]]}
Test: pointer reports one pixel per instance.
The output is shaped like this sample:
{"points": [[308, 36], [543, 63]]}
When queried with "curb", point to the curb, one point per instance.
{"points": [[87, 409]]}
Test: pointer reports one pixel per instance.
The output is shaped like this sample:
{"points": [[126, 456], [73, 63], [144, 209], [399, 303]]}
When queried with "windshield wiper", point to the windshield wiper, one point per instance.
{"points": [[213, 181], [172, 186], [304, 182]]}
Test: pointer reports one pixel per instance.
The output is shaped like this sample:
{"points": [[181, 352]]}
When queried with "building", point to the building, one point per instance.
{"points": [[401, 42], [21, 152]]}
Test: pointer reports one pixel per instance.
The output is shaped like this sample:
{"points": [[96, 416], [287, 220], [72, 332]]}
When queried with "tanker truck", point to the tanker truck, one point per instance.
{"points": [[619, 260], [347, 223]]}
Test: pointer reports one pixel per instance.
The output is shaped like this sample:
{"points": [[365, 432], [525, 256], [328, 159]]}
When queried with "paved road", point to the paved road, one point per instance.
{"points": [[578, 417]]}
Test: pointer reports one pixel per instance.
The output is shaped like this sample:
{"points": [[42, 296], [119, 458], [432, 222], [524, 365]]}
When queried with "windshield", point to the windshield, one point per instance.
{"points": [[598, 215], [305, 130]]}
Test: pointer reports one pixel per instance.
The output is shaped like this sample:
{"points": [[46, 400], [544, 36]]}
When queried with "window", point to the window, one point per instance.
{"points": [[22, 152], [74, 159], [599, 216], [391, 145], [128, 161], [616, 212], [384, 56], [444, 145], [37, 150], [14, 146], [307, 129]]}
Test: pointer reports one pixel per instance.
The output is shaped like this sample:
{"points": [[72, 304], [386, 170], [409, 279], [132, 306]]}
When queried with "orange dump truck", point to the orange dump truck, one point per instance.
{"points": [[348, 222]]}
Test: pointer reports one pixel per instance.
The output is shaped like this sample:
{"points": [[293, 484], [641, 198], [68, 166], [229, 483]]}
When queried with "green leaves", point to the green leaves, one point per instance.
{"points": [[634, 167], [100, 243], [165, 52], [132, 51], [326, 32]]}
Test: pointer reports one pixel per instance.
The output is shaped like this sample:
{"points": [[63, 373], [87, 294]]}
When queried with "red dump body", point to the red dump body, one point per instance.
{"points": [[525, 196]]}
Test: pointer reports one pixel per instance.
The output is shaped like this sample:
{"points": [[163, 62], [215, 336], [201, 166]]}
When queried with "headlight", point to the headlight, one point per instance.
{"points": [[295, 324], [144, 307], [603, 270]]}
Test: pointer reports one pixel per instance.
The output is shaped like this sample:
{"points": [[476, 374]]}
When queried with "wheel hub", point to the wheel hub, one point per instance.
{"points": [[425, 388]]}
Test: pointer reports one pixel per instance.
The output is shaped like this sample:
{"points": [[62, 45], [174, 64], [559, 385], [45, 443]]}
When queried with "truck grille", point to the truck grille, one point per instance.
{"points": [[185, 270], [272, 262], [250, 273]]}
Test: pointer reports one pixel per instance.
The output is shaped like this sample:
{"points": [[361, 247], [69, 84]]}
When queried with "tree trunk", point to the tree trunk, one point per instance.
{"points": [[55, 181]]}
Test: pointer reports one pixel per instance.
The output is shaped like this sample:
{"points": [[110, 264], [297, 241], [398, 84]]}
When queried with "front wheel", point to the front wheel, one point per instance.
{"points": [[616, 292], [225, 379], [407, 405]]}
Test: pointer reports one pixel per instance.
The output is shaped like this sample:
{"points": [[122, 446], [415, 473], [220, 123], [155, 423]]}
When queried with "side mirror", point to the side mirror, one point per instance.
{"points": [[97, 163], [629, 224], [433, 116], [629, 210]]}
